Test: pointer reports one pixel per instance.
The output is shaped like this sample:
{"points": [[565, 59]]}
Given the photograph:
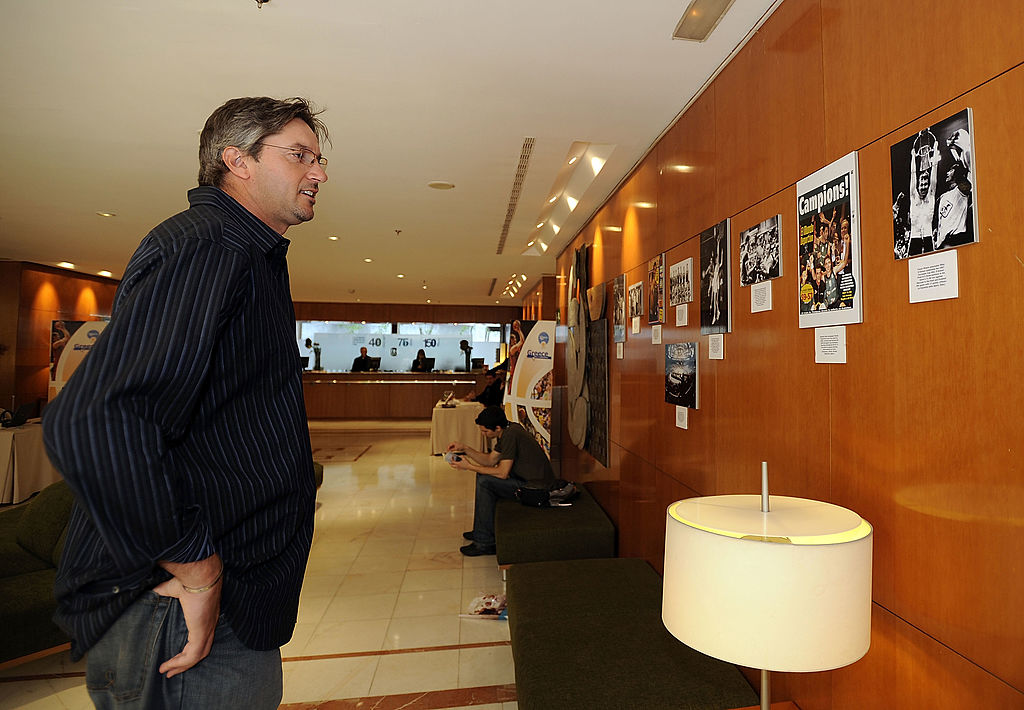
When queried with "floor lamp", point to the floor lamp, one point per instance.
{"points": [[774, 583]]}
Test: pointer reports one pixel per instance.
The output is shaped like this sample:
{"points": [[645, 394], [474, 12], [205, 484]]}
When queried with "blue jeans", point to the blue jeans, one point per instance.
{"points": [[121, 670], [489, 490]]}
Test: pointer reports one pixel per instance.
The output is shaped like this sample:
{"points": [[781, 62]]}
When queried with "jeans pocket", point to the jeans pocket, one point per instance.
{"points": [[124, 659]]}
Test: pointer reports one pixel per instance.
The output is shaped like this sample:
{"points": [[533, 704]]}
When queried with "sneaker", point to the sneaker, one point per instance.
{"points": [[468, 534], [474, 549]]}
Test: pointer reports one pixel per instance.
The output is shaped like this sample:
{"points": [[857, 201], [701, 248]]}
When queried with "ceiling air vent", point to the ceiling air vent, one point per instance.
{"points": [[517, 186], [700, 19]]}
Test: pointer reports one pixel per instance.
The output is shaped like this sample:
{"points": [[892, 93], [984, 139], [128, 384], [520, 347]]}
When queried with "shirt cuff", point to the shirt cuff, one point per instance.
{"points": [[194, 544]]}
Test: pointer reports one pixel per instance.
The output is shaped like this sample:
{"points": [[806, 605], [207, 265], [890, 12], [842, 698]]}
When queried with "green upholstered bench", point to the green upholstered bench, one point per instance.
{"points": [[31, 540], [587, 634], [579, 531]]}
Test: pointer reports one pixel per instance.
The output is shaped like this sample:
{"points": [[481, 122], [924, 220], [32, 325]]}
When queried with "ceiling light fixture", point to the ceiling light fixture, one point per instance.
{"points": [[553, 198], [105, 273], [441, 185], [401, 276], [65, 265], [368, 261], [539, 225], [333, 238], [573, 159], [107, 214], [700, 19]]}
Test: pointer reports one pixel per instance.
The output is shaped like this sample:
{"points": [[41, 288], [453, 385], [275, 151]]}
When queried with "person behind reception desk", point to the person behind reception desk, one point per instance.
{"points": [[362, 363], [422, 363], [516, 460], [183, 437], [493, 393]]}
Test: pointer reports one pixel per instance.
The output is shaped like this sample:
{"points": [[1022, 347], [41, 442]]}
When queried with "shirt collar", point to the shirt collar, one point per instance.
{"points": [[265, 239]]}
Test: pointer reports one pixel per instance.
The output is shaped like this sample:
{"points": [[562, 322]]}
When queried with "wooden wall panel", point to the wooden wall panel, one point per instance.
{"points": [[946, 485], [886, 63], [688, 164], [919, 430], [769, 108], [772, 399], [686, 455]]}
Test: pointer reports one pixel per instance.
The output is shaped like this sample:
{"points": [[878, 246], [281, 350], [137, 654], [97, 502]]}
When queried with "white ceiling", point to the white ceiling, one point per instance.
{"points": [[104, 101]]}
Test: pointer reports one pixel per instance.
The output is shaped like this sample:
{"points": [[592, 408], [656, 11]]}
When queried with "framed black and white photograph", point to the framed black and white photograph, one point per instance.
{"points": [[761, 252], [828, 258], [636, 299], [715, 291], [656, 289], [680, 282], [933, 196], [619, 309], [682, 386]]}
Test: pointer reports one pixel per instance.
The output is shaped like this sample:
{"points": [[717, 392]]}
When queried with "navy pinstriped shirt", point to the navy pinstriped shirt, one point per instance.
{"points": [[183, 433]]}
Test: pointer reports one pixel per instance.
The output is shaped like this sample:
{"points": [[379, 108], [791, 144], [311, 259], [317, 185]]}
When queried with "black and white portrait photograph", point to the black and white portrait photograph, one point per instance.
{"points": [[681, 383], [656, 289], [933, 188], [619, 309], [680, 282], [715, 294], [761, 252], [636, 299]]}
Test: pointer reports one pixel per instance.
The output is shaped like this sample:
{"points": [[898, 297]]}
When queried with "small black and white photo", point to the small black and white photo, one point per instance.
{"points": [[715, 296], [619, 309], [933, 195], [761, 252], [680, 282], [681, 382], [636, 299]]}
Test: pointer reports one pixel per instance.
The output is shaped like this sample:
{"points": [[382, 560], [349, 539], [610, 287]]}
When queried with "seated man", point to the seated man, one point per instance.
{"points": [[361, 363], [517, 459], [493, 393]]}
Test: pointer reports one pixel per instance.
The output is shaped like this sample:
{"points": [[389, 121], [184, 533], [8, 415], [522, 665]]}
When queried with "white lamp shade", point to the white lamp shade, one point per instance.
{"points": [[788, 590]]}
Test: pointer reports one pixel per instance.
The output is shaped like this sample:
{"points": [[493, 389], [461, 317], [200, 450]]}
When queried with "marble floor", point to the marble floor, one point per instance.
{"points": [[379, 617]]}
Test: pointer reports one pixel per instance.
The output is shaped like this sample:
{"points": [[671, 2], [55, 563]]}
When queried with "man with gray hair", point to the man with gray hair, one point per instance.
{"points": [[183, 436]]}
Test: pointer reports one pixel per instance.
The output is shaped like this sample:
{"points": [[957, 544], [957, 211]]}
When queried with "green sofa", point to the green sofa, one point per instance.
{"points": [[525, 534], [31, 540], [588, 635]]}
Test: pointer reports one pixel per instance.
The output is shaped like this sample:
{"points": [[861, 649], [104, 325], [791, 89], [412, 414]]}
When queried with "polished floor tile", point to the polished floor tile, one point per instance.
{"points": [[384, 588]]}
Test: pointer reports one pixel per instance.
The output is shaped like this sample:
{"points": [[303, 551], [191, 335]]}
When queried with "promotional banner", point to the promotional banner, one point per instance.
{"points": [[528, 390], [70, 342]]}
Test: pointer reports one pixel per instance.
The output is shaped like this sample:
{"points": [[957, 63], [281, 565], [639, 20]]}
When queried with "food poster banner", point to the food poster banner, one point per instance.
{"points": [[531, 357]]}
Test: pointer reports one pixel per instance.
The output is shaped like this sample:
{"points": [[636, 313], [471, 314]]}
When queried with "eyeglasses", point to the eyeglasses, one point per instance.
{"points": [[303, 155]]}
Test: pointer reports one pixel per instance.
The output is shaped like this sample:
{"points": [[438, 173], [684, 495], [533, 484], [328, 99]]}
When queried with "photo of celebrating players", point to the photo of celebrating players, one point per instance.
{"points": [[933, 188], [761, 252]]}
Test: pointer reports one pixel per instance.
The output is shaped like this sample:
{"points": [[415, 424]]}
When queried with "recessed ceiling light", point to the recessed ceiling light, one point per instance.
{"points": [[424, 287], [539, 225], [441, 185], [428, 300], [333, 238], [553, 198], [401, 276], [65, 265], [107, 214], [104, 273], [368, 261], [573, 159], [529, 244]]}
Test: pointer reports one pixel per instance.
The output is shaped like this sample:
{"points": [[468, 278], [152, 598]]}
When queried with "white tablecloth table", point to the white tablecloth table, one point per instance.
{"points": [[24, 466], [458, 423]]}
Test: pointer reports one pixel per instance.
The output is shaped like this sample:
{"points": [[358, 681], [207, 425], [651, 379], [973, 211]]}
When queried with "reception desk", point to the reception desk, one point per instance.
{"points": [[381, 395]]}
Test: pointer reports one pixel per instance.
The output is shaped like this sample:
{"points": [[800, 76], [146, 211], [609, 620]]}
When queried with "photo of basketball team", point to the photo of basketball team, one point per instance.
{"points": [[761, 252]]}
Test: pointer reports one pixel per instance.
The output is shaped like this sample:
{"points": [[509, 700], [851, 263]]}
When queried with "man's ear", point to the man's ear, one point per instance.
{"points": [[236, 162]]}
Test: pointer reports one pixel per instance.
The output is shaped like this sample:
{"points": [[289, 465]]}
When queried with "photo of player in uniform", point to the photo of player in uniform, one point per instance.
{"points": [[715, 294], [933, 188], [680, 282], [636, 299], [681, 383], [828, 245], [761, 252], [656, 289], [619, 312]]}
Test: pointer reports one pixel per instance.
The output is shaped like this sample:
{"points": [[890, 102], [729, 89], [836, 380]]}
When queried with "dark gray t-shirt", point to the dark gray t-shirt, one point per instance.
{"points": [[529, 462]]}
